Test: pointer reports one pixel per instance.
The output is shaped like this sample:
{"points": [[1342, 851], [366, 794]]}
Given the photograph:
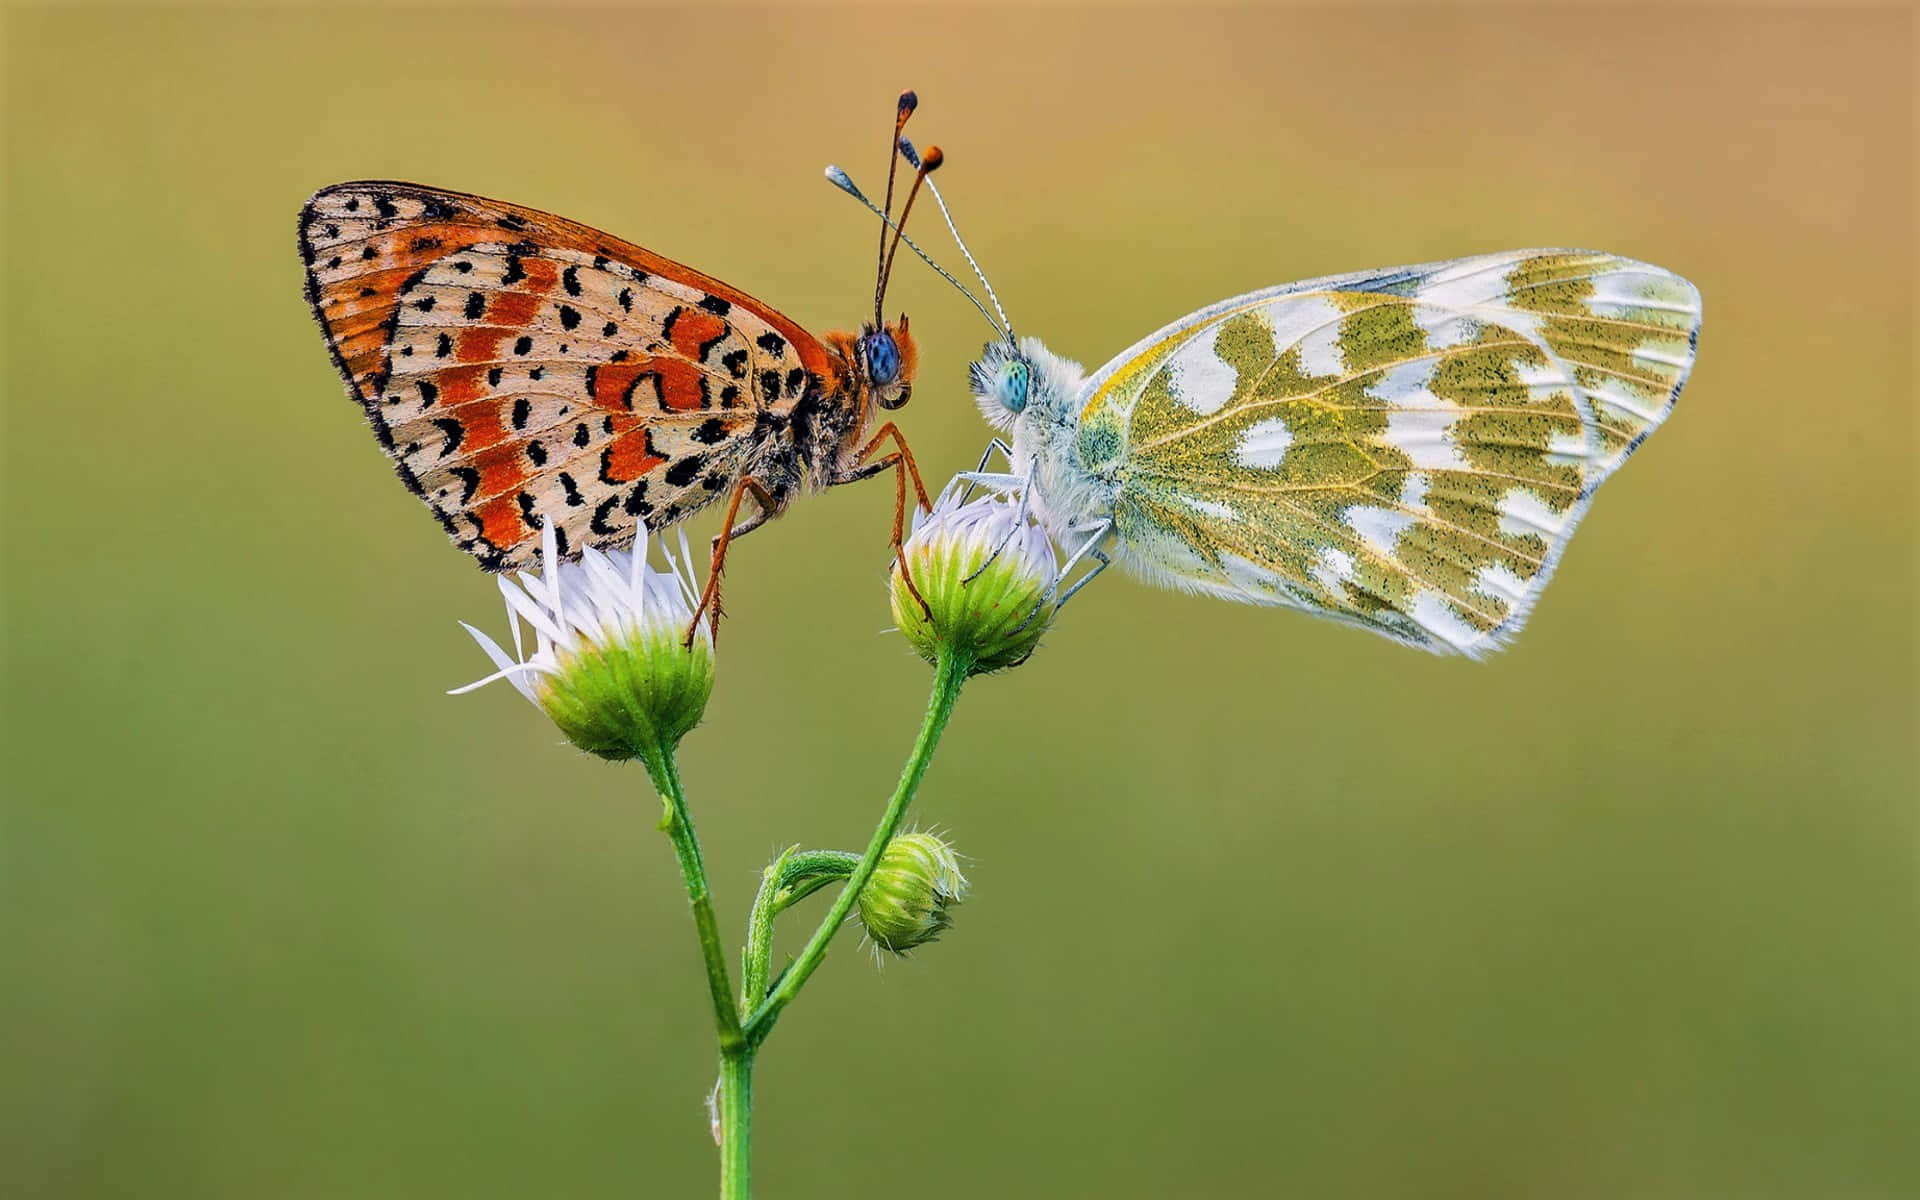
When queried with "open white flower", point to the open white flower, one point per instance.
{"points": [[609, 665], [986, 575]]}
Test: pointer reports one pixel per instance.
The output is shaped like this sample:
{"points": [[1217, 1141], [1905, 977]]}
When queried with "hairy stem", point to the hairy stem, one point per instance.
{"points": [[796, 875], [949, 674], [678, 826], [736, 1123]]}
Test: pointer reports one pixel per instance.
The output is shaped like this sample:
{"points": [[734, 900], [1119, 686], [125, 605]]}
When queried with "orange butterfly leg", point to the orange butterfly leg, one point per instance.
{"points": [[710, 597], [904, 468], [905, 458]]}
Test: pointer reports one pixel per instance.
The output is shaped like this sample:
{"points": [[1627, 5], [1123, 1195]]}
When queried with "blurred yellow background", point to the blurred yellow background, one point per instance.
{"points": [[1628, 911]]}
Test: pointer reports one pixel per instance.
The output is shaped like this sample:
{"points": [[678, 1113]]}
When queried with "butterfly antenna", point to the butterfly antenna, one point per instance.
{"points": [[908, 102], [840, 179], [913, 159], [921, 170]]}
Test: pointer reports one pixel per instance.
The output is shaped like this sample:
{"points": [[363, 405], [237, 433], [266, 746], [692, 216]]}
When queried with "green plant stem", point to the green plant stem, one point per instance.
{"points": [[678, 826], [736, 1123], [950, 672], [796, 875]]}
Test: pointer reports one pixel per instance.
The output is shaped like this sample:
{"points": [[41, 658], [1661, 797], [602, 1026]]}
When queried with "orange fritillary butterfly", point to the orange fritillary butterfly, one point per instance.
{"points": [[522, 369]]}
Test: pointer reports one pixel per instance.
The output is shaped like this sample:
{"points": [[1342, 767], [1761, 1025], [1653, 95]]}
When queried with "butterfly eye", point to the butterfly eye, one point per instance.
{"points": [[1013, 385], [883, 358]]}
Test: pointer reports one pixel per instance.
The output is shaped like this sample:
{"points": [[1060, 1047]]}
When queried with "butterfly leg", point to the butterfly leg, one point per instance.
{"points": [[1099, 556], [1019, 517], [900, 461], [1088, 549], [1006, 452], [710, 597]]}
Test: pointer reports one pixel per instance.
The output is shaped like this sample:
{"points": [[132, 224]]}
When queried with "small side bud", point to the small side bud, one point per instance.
{"points": [[909, 900], [608, 667], [986, 576]]}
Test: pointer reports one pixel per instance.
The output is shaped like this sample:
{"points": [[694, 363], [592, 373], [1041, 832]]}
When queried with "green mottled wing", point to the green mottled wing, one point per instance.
{"points": [[1407, 450]]}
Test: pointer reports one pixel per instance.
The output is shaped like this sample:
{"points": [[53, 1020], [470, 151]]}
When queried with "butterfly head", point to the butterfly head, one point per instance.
{"points": [[888, 357], [1010, 379]]}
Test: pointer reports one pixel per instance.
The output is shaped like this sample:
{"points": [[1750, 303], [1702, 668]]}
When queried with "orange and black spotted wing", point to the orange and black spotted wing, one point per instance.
{"points": [[521, 368]]}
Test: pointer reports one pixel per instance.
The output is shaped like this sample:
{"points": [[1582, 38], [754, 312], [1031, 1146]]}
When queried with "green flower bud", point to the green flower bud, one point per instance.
{"points": [[908, 901], [986, 575], [609, 666]]}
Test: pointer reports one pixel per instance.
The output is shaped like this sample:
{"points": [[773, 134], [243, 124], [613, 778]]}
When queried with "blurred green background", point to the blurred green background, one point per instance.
{"points": [[1629, 911]]}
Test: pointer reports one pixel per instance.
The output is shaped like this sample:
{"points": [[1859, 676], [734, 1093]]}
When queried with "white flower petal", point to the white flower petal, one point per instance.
{"points": [[603, 599]]}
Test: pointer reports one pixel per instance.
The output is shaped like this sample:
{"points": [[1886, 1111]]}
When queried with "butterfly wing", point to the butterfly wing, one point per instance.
{"points": [[1407, 450], [521, 368]]}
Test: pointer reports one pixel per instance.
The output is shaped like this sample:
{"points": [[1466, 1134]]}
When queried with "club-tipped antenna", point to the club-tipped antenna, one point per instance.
{"points": [[840, 179], [913, 159], [908, 102], [921, 170]]}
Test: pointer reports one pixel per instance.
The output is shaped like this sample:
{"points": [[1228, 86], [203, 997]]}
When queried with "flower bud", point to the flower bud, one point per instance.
{"points": [[609, 667], [908, 900], [986, 575]]}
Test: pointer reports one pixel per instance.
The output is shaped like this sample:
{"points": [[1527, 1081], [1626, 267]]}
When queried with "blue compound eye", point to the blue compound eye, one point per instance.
{"points": [[883, 358], [1013, 385]]}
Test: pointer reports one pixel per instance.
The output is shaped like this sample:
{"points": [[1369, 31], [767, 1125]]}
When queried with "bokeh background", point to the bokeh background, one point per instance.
{"points": [[1263, 907]]}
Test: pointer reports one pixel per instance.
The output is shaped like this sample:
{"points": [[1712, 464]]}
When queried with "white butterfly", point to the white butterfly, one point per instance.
{"points": [[1407, 450]]}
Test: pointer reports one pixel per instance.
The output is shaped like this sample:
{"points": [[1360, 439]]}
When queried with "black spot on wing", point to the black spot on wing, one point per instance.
{"points": [[600, 513], [455, 431], [685, 470]]}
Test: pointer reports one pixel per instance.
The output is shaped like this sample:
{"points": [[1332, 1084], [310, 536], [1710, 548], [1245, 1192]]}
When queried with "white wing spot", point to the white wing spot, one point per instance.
{"points": [[1550, 378], [1637, 293], [1293, 318], [1264, 444], [1566, 449], [1437, 616], [1407, 385], [1335, 567], [1522, 512], [1663, 354], [1499, 581], [1423, 436], [1198, 377], [1413, 491], [1320, 352], [1379, 528], [1444, 329], [1615, 398]]}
